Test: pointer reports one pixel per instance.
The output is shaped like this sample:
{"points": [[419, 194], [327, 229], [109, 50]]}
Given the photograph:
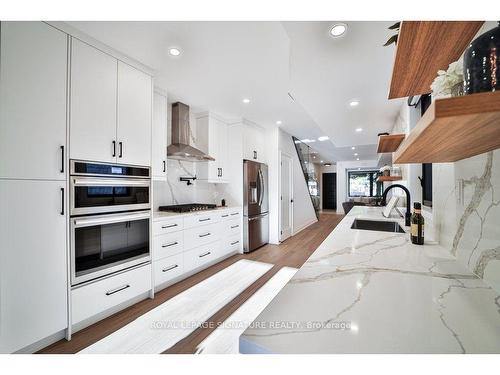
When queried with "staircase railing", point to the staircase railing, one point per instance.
{"points": [[306, 162]]}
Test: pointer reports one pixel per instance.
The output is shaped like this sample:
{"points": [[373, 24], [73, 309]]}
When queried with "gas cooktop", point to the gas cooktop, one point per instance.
{"points": [[190, 207]]}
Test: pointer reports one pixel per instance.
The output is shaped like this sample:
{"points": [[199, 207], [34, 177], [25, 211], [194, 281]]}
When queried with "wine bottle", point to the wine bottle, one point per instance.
{"points": [[417, 225]]}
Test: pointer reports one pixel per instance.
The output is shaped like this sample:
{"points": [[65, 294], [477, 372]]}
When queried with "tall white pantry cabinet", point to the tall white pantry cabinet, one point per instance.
{"points": [[33, 196]]}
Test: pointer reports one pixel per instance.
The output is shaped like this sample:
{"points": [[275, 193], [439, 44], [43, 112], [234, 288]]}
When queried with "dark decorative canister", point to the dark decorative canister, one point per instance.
{"points": [[482, 63]]}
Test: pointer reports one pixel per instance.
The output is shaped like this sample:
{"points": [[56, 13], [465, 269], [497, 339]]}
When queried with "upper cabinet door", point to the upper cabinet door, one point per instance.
{"points": [[159, 152], [93, 104], [222, 149], [33, 76], [134, 116]]}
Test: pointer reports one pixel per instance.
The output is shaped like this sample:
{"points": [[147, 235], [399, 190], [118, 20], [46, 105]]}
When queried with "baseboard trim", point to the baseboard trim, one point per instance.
{"points": [[295, 232]]}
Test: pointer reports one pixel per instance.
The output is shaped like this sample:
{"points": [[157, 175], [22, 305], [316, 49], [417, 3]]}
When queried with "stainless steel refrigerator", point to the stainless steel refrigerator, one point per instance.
{"points": [[255, 205]]}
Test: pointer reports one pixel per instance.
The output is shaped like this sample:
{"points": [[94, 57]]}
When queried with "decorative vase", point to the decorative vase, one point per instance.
{"points": [[482, 63], [457, 90]]}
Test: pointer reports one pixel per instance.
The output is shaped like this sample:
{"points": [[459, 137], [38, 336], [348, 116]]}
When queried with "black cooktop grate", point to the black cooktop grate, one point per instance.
{"points": [[188, 207]]}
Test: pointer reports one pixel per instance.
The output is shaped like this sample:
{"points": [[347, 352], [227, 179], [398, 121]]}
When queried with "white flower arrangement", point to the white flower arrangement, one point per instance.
{"points": [[445, 81]]}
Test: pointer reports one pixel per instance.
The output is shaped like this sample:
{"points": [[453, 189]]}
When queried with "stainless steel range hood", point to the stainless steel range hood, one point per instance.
{"points": [[180, 148]]}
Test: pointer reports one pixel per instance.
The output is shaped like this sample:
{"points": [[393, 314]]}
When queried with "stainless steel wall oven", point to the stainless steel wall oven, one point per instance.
{"points": [[110, 213]]}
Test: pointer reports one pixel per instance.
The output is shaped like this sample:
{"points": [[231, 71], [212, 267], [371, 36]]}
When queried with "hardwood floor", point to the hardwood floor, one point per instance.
{"points": [[292, 253]]}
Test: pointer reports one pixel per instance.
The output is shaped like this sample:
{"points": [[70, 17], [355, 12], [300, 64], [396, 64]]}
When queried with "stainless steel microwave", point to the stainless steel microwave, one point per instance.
{"points": [[97, 188]]}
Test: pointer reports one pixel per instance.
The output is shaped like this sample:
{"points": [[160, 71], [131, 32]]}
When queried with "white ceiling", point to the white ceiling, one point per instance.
{"points": [[223, 62]]}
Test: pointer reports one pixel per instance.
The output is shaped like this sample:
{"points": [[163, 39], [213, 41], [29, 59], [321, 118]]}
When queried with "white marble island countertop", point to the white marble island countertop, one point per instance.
{"points": [[375, 292]]}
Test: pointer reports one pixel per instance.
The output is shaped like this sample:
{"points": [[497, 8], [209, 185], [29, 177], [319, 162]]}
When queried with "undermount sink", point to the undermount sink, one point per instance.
{"points": [[376, 225]]}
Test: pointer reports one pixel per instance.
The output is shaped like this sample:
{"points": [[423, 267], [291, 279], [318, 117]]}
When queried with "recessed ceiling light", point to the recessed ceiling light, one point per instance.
{"points": [[174, 51], [355, 154], [359, 129], [327, 164], [357, 158], [323, 138], [353, 148], [321, 161], [246, 100], [278, 122], [338, 29], [354, 103]]}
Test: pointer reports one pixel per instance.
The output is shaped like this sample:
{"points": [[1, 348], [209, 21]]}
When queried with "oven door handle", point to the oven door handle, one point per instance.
{"points": [[90, 181], [109, 219]]}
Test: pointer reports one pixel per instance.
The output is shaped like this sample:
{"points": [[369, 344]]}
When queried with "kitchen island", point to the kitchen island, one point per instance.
{"points": [[375, 292]]}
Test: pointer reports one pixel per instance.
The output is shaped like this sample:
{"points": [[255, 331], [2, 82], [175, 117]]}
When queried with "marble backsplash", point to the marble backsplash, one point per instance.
{"points": [[173, 191], [466, 213]]}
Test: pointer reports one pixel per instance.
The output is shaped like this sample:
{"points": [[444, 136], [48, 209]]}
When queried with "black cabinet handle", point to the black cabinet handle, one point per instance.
{"points": [[207, 219], [221, 172], [234, 226], [117, 290], [170, 244], [204, 235], [164, 166], [62, 159], [114, 148], [62, 201], [204, 255], [234, 243], [168, 226], [255, 154], [121, 149], [169, 268]]}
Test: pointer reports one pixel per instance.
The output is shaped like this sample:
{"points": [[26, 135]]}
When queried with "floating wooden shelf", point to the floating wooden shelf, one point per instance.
{"points": [[423, 48], [388, 178], [454, 129], [389, 143]]}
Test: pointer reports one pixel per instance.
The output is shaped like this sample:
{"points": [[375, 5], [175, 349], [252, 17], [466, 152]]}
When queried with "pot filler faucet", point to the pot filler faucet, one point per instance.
{"points": [[408, 201]]}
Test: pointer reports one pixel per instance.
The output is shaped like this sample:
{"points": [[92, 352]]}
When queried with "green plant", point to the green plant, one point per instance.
{"points": [[394, 38]]}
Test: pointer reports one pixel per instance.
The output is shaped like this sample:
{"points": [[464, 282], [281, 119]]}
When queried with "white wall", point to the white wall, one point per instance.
{"points": [[342, 169], [303, 210], [272, 156]]}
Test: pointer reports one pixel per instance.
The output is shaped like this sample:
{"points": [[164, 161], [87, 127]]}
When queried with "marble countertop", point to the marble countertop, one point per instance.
{"points": [[159, 215], [375, 292]]}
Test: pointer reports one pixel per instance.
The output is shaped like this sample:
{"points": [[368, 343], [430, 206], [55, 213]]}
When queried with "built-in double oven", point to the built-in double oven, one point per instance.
{"points": [[110, 214]]}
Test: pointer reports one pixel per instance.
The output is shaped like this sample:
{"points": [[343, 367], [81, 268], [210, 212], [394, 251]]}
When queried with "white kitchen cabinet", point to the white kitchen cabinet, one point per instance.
{"points": [[211, 133], [33, 277], [93, 104], [253, 143], [33, 76], [159, 139], [134, 116], [95, 298]]}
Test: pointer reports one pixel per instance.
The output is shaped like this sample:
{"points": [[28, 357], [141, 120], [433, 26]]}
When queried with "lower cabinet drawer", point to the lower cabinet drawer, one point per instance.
{"points": [[231, 228], [168, 226], [201, 255], [91, 299], [168, 244], [201, 235], [168, 268], [230, 245]]}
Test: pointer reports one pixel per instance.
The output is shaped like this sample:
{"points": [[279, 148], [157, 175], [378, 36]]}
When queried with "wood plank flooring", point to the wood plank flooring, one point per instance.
{"points": [[292, 253]]}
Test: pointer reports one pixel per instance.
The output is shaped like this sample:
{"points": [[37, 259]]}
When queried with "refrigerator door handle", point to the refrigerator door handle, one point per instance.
{"points": [[257, 217], [261, 190]]}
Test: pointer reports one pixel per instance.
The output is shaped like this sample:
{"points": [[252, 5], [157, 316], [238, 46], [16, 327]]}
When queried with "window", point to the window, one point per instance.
{"points": [[364, 184]]}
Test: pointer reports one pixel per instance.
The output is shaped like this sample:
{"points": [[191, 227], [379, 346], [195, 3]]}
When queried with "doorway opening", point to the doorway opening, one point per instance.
{"points": [[329, 191], [286, 196]]}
